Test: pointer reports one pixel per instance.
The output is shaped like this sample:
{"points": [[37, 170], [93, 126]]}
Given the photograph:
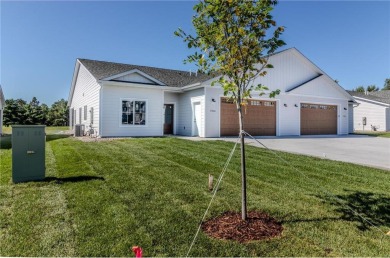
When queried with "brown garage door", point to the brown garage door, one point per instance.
{"points": [[318, 119], [259, 118]]}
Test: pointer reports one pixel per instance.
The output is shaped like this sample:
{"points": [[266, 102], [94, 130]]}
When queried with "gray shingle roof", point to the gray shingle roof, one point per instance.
{"points": [[173, 78], [380, 96]]}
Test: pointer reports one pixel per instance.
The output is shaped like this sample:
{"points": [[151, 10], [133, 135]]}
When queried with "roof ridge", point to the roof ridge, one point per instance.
{"points": [[146, 66], [168, 69]]}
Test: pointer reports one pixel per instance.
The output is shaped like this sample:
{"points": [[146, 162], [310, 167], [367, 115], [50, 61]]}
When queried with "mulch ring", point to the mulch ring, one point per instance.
{"points": [[230, 226]]}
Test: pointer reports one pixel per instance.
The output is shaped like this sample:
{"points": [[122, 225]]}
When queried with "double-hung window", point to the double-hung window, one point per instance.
{"points": [[133, 112]]}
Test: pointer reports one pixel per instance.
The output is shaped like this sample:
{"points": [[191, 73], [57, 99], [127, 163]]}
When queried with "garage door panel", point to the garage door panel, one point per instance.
{"points": [[259, 118], [318, 119]]}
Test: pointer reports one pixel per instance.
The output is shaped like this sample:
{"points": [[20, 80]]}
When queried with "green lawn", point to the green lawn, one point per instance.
{"points": [[102, 198], [49, 129], [379, 134]]}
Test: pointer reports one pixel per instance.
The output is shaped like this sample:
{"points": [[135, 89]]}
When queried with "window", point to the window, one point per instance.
{"points": [[255, 103], [85, 113], [91, 110], [133, 112], [71, 117], [269, 103]]}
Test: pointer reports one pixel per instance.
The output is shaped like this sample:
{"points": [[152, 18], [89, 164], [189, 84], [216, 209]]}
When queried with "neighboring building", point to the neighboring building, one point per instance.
{"points": [[2, 104], [372, 112], [130, 100]]}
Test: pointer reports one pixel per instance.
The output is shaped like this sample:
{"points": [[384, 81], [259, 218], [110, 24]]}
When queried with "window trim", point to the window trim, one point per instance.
{"points": [[134, 125]]}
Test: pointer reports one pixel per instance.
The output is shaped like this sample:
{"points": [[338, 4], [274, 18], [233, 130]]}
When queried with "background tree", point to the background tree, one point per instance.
{"points": [[371, 88], [33, 113], [233, 41], [14, 112], [59, 113], [360, 89], [45, 114], [386, 86]]}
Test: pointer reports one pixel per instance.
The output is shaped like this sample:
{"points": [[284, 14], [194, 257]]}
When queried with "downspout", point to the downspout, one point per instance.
{"points": [[100, 109]]}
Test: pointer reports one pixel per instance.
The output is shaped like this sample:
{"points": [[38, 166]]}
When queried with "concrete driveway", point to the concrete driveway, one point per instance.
{"points": [[357, 149]]}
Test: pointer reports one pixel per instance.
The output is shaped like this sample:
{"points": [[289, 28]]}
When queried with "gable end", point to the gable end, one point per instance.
{"points": [[134, 76]]}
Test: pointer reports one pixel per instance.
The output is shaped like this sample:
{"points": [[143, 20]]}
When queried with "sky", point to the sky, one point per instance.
{"points": [[40, 40]]}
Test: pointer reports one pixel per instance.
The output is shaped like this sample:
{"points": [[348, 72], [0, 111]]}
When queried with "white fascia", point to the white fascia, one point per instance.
{"points": [[192, 86], [74, 79], [138, 85]]}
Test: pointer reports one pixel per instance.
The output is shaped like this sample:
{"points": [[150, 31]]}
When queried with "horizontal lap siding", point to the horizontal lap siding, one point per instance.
{"points": [[375, 114], [86, 92], [185, 115], [112, 111]]}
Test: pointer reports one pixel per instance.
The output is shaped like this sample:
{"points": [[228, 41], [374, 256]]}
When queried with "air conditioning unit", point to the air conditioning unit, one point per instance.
{"points": [[79, 130]]}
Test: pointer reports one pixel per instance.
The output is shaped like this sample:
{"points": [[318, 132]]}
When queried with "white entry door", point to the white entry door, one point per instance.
{"points": [[196, 119]]}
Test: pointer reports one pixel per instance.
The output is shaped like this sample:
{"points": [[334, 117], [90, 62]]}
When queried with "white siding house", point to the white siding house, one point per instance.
{"points": [[372, 112], [85, 102], [131, 100], [2, 104]]}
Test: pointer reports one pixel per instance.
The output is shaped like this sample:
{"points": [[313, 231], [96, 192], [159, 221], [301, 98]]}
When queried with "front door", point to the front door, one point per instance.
{"points": [[197, 119], [168, 120]]}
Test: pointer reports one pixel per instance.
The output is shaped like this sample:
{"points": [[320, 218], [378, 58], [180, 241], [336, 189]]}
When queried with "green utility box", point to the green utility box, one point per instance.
{"points": [[28, 153]]}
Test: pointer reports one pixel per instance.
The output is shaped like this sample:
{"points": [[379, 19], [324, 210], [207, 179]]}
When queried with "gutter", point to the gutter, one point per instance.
{"points": [[136, 85], [373, 101], [191, 86]]}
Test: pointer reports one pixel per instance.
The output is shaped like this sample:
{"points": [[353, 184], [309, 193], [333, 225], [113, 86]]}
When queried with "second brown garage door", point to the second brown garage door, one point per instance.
{"points": [[259, 118], [318, 119]]}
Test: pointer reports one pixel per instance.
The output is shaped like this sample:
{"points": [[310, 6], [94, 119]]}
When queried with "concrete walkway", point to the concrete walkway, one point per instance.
{"points": [[357, 149]]}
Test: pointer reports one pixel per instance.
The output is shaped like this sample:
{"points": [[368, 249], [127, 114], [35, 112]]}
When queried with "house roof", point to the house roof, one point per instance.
{"points": [[174, 78], [382, 96]]}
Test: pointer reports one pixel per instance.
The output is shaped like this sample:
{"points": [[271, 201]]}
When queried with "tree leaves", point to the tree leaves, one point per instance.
{"points": [[33, 113], [231, 40]]}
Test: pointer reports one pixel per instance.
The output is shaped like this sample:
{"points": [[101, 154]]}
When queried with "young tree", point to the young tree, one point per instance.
{"points": [[234, 41], [386, 86]]}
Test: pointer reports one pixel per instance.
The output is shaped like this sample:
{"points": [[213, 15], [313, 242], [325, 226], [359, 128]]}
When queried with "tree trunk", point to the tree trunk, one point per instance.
{"points": [[243, 166]]}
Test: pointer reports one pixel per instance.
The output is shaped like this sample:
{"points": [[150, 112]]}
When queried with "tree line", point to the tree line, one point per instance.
{"points": [[371, 88], [21, 112]]}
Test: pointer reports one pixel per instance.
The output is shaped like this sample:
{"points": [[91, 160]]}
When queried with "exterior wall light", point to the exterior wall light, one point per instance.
{"points": [[285, 104], [345, 108], [296, 105], [213, 100]]}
